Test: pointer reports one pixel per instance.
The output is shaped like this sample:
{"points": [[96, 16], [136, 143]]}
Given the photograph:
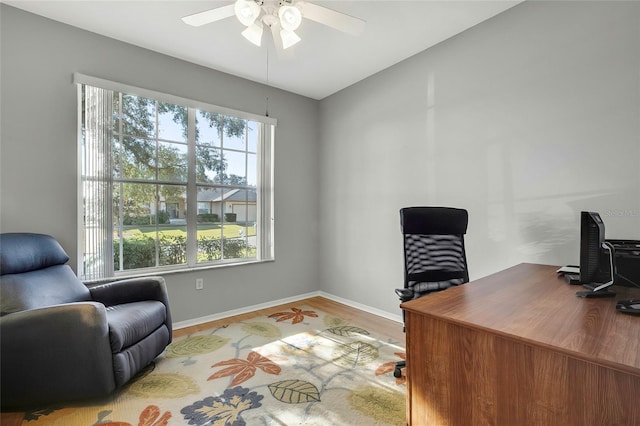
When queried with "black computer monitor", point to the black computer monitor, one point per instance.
{"points": [[597, 268], [627, 260]]}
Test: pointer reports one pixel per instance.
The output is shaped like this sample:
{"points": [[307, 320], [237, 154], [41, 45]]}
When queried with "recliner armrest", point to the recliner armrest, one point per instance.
{"points": [[69, 319], [130, 290], [133, 290], [58, 352]]}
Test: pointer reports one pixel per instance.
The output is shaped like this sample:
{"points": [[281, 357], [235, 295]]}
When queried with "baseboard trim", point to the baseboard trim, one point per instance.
{"points": [[369, 309], [247, 309]]}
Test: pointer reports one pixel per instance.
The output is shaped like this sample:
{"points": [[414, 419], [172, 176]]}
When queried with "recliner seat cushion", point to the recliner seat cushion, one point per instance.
{"points": [[130, 323]]}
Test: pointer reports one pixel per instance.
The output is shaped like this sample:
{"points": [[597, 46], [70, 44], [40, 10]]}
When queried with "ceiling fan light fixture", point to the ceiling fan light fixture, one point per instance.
{"points": [[247, 11], [253, 33], [290, 17], [289, 38]]}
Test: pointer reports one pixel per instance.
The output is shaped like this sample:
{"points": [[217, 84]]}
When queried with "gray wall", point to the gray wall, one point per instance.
{"points": [[38, 178], [524, 120]]}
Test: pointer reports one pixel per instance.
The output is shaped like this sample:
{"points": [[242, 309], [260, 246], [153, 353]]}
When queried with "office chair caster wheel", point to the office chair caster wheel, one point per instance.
{"points": [[397, 372]]}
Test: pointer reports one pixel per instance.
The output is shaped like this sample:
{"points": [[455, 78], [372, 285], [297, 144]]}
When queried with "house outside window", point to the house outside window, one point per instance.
{"points": [[168, 183], [204, 208], [173, 210]]}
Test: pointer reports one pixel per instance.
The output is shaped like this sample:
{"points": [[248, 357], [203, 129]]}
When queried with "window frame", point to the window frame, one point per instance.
{"points": [[265, 247]]}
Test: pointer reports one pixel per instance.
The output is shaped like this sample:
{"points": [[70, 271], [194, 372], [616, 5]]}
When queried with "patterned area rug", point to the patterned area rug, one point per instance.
{"points": [[296, 367]]}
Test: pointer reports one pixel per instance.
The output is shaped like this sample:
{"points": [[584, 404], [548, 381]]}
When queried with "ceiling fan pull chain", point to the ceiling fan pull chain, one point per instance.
{"points": [[266, 113]]}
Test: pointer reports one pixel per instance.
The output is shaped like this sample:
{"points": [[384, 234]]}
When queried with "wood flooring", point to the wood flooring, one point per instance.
{"points": [[364, 319]]}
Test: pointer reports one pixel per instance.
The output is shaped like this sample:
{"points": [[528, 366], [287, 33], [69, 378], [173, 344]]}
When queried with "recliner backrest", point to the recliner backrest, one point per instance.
{"points": [[33, 274]]}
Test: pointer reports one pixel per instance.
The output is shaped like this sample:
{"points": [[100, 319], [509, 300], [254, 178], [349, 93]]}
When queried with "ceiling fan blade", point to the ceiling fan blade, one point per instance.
{"points": [[209, 16], [338, 20]]}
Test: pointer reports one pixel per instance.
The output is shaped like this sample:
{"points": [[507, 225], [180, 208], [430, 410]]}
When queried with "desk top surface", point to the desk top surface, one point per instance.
{"points": [[532, 303]]}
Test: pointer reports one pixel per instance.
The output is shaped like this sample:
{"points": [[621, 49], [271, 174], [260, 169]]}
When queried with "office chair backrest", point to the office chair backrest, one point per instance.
{"points": [[435, 256]]}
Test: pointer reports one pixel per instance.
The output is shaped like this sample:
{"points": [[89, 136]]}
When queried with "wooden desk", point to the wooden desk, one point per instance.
{"points": [[519, 348]]}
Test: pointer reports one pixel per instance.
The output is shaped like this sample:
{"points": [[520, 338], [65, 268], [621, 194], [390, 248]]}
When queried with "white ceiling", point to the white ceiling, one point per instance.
{"points": [[324, 62]]}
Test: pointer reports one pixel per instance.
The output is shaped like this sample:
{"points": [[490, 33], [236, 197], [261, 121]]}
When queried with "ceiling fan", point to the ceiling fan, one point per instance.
{"points": [[282, 17]]}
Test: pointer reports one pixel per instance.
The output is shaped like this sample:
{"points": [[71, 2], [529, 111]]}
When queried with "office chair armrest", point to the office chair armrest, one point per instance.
{"points": [[404, 294]]}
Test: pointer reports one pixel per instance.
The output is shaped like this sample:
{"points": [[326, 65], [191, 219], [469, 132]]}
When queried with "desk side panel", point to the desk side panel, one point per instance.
{"points": [[464, 376]]}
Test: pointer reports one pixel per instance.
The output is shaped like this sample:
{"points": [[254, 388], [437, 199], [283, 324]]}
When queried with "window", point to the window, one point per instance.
{"points": [[168, 183]]}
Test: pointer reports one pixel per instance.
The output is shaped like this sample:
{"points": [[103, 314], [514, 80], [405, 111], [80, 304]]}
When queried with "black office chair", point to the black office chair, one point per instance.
{"points": [[434, 252]]}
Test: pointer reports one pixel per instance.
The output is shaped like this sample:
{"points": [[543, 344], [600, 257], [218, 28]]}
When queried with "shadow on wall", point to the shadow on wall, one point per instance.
{"points": [[548, 235], [548, 231]]}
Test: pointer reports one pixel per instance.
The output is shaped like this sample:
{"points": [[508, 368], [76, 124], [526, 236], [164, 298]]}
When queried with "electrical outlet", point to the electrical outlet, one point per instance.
{"points": [[199, 283]]}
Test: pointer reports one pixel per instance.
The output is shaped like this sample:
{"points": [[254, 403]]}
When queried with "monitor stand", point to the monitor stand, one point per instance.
{"points": [[598, 293], [600, 290], [630, 306]]}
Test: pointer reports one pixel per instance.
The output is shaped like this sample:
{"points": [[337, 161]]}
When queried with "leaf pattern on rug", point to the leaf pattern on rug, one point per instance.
{"points": [[164, 385], [355, 353], [195, 345], [245, 369], [348, 331], [297, 316], [150, 416], [380, 403], [223, 410], [263, 329], [36, 414], [294, 391], [334, 321]]}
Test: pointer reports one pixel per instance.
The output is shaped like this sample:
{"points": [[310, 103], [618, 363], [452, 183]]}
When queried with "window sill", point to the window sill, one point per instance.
{"points": [[172, 271]]}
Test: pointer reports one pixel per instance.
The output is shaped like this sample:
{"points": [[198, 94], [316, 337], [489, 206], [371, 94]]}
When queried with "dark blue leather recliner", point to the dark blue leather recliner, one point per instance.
{"points": [[64, 341]]}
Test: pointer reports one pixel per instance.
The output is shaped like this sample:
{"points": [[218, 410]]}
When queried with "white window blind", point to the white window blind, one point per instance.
{"points": [[96, 166]]}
